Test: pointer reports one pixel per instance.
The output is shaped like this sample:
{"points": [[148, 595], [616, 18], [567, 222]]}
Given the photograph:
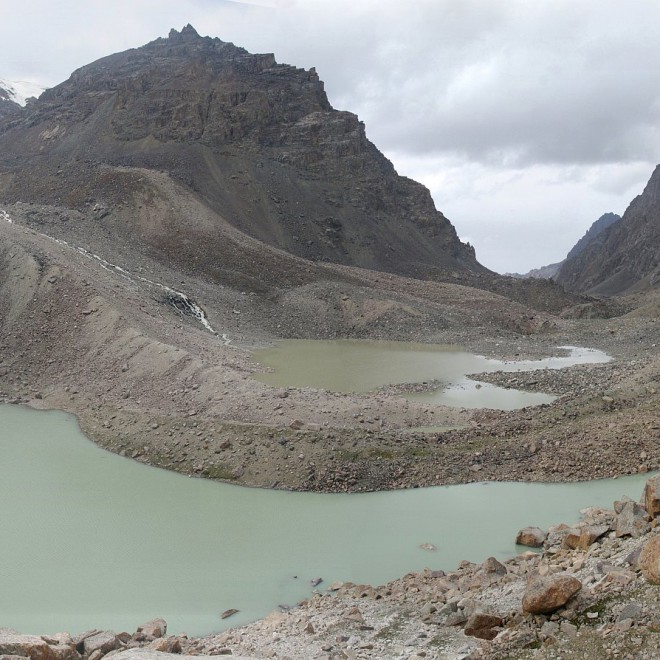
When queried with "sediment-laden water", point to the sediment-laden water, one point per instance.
{"points": [[91, 539], [361, 366]]}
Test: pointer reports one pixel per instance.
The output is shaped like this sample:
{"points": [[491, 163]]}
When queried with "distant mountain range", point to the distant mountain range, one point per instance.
{"points": [[260, 146]]}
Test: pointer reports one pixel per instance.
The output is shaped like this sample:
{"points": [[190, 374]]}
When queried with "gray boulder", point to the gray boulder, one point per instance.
{"points": [[104, 642], [631, 519]]}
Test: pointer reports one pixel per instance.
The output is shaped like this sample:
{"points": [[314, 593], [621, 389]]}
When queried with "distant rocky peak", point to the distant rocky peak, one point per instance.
{"points": [[604, 222], [188, 33]]}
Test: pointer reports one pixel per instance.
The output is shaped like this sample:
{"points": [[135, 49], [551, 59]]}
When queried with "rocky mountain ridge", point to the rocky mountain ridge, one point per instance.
{"points": [[625, 258], [597, 228]]}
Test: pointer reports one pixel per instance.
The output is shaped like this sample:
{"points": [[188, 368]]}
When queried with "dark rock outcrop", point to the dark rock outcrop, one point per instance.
{"points": [[551, 271]]}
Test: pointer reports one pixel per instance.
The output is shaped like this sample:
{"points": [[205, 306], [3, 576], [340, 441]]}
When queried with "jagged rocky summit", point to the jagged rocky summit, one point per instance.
{"points": [[257, 141]]}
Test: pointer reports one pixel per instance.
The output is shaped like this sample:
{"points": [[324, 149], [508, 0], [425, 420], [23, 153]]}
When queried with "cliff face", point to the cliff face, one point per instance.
{"points": [[625, 257], [257, 141]]}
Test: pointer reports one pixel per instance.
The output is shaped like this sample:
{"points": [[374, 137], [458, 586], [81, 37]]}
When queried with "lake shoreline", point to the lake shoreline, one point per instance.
{"points": [[476, 611], [307, 439]]}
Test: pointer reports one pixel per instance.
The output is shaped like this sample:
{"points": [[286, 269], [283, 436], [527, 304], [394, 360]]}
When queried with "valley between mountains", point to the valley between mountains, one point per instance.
{"points": [[170, 209]]}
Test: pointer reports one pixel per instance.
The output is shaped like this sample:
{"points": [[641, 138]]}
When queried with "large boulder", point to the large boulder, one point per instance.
{"points": [[649, 560], [104, 642], [588, 535], [482, 625], [651, 496], [545, 594], [154, 628], [532, 537], [631, 519], [29, 646]]}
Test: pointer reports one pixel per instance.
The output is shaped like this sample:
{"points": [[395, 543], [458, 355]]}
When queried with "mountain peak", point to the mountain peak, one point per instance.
{"points": [[258, 141], [188, 33]]}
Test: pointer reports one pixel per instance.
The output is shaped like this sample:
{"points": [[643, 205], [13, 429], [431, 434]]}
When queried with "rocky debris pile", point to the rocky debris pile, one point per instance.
{"points": [[92, 644]]}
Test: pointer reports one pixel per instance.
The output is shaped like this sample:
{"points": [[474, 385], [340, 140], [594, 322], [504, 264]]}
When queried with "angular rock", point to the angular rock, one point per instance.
{"points": [[631, 519], [456, 619], [104, 642], [588, 535], [154, 628], [59, 638], [29, 646], [481, 625], [545, 594], [651, 496], [166, 645], [79, 639], [532, 537], [491, 565], [549, 630], [557, 534], [630, 611], [649, 560], [65, 652], [633, 557]]}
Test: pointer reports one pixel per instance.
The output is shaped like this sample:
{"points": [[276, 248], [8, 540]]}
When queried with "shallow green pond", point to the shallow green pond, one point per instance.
{"points": [[361, 366], [90, 539]]}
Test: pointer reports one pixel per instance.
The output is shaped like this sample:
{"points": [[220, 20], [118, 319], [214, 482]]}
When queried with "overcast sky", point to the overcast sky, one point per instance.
{"points": [[527, 119]]}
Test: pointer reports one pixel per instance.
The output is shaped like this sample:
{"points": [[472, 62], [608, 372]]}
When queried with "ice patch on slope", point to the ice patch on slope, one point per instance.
{"points": [[21, 90]]}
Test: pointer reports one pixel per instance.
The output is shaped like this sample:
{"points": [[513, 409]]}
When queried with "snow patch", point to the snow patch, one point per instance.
{"points": [[6, 217], [21, 90]]}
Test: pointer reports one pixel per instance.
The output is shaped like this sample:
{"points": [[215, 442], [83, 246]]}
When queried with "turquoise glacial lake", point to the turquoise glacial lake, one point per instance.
{"points": [[94, 540]]}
